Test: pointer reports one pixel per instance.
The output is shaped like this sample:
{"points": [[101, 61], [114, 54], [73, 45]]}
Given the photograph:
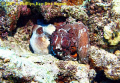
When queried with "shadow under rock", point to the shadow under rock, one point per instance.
{"points": [[101, 78]]}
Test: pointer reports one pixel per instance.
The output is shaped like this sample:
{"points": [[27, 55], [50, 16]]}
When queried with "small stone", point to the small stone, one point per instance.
{"points": [[117, 52]]}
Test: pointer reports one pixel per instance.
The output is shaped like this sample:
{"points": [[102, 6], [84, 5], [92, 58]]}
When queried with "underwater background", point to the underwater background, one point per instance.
{"points": [[59, 41]]}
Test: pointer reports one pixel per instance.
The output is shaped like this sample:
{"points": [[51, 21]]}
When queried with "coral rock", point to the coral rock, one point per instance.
{"points": [[76, 12], [108, 62], [98, 6], [70, 41], [113, 71], [11, 13], [25, 10], [116, 7], [39, 41], [51, 11], [72, 70], [73, 2], [111, 33], [101, 58], [42, 68]]}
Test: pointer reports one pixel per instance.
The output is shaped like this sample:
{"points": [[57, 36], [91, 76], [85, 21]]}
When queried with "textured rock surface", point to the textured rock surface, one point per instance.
{"points": [[12, 13], [18, 64], [99, 12], [112, 33], [103, 60], [28, 67], [52, 11], [77, 12], [116, 7]]}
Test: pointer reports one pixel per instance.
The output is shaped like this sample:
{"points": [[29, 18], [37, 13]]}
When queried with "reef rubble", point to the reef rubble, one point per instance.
{"points": [[72, 32], [46, 68], [30, 67]]}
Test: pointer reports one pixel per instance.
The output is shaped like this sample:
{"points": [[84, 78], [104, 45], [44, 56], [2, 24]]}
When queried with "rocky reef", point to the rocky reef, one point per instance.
{"points": [[103, 60], [78, 42], [54, 11], [115, 8], [111, 33], [29, 67]]}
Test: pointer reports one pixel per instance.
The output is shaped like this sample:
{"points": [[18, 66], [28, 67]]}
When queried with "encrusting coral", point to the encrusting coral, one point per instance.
{"points": [[8, 22], [99, 12], [112, 33], [12, 15], [50, 12], [68, 40], [73, 2], [42, 68], [116, 7], [70, 71], [102, 60], [76, 12]]}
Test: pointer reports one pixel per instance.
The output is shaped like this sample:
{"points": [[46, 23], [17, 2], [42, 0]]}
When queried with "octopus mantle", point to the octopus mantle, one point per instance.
{"points": [[70, 42]]}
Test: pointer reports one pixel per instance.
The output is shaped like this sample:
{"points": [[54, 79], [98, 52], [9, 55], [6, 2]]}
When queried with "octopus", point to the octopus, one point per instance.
{"points": [[70, 42], [39, 42]]}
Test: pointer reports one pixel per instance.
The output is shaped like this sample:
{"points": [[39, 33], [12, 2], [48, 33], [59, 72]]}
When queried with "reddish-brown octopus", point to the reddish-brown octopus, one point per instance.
{"points": [[70, 42]]}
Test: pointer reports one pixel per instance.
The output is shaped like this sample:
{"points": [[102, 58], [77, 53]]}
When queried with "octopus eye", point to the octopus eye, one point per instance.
{"points": [[39, 30]]}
